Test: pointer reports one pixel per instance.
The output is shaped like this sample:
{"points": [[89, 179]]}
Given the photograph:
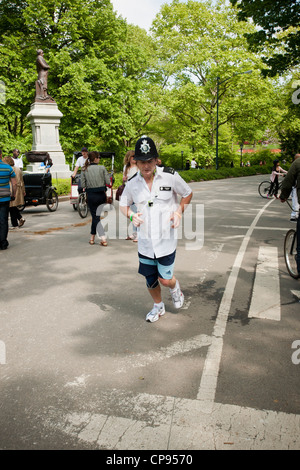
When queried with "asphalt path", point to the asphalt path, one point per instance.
{"points": [[80, 367]]}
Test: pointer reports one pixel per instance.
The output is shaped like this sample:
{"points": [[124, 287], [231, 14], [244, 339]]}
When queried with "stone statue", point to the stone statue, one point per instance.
{"points": [[41, 85]]}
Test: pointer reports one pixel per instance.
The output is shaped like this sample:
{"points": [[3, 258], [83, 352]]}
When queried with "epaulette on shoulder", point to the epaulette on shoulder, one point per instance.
{"points": [[168, 169], [132, 176]]}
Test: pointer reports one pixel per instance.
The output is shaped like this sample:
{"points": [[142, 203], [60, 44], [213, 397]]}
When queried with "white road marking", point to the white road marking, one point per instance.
{"points": [[296, 293], [168, 423], [265, 302], [256, 228], [78, 382], [208, 384], [179, 347]]}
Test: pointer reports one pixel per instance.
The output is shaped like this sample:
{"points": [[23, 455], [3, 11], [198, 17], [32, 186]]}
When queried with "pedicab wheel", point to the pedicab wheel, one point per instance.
{"points": [[290, 253], [74, 207], [82, 205], [21, 207], [51, 200], [264, 188]]}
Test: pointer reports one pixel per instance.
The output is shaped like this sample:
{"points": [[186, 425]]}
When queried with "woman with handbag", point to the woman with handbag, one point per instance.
{"points": [[94, 179], [15, 215], [129, 171]]}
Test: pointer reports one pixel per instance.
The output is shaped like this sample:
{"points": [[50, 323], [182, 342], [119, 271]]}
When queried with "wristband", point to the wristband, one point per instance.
{"points": [[131, 216]]}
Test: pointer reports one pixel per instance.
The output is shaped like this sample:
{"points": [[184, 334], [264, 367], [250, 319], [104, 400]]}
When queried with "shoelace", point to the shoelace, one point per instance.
{"points": [[176, 295]]}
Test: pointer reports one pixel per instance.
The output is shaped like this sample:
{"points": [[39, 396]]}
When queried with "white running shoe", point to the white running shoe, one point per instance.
{"points": [[155, 313], [177, 296]]}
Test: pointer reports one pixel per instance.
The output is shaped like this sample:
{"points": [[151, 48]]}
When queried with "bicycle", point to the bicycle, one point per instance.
{"points": [[264, 189], [82, 205], [290, 251]]}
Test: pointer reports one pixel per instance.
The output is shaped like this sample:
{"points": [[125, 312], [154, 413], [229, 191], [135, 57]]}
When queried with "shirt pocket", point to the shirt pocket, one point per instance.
{"points": [[165, 193]]}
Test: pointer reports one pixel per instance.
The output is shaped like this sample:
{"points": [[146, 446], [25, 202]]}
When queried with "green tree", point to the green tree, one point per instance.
{"points": [[278, 23], [288, 126], [101, 71], [198, 42]]}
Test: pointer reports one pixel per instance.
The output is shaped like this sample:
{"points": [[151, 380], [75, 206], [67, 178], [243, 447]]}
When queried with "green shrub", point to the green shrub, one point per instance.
{"points": [[64, 185]]}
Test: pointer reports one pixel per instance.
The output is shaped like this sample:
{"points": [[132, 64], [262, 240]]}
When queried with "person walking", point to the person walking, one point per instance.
{"points": [[7, 176], [154, 191], [15, 215], [129, 170], [276, 171], [292, 180], [94, 180], [17, 159]]}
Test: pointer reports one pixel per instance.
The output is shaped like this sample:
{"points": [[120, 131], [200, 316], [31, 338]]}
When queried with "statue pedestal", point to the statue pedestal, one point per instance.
{"points": [[45, 120]]}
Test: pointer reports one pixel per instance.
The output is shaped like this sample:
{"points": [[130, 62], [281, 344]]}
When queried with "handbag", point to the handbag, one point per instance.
{"points": [[120, 191]]}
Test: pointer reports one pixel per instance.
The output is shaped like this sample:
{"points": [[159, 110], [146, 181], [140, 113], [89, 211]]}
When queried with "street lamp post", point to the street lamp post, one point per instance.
{"points": [[217, 127]]}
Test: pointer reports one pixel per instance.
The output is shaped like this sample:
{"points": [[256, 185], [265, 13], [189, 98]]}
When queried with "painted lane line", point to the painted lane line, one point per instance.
{"points": [[177, 424], [265, 302], [208, 383], [296, 293], [277, 229], [179, 347]]}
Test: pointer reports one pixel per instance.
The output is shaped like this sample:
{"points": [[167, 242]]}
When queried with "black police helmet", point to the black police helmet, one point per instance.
{"points": [[145, 149]]}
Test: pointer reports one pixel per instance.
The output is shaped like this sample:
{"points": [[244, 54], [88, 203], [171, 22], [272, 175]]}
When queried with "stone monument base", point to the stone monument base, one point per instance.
{"points": [[45, 121]]}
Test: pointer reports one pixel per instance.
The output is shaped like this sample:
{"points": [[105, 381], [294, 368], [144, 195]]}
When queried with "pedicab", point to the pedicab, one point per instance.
{"points": [[38, 186]]}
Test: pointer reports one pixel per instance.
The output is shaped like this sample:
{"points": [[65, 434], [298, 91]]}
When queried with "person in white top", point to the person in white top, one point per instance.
{"points": [[17, 159], [274, 186], [80, 161], [154, 190], [194, 164]]}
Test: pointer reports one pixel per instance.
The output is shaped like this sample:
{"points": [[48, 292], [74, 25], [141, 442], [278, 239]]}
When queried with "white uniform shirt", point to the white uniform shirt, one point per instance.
{"points": [[156, 236], [80, 162], [18, 162]]}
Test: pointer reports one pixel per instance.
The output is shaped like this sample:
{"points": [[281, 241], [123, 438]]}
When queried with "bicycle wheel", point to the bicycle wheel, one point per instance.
{"points": [[290, 253], [82, 206], [51, 200], [264, 188]]}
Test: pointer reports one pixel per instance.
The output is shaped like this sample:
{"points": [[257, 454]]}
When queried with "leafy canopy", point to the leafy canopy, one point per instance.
{"points": [[278, 24]]}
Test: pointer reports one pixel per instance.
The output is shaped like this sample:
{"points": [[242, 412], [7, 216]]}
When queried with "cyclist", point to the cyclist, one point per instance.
{"points": [[291, 181], [276, 171]]}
